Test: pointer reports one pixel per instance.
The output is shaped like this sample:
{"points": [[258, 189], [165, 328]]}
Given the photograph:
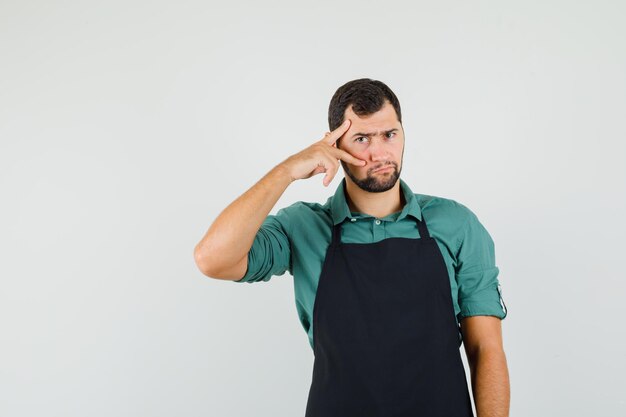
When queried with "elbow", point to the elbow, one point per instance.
{"points": [[474, 355], [211, 262], [203, 261]]}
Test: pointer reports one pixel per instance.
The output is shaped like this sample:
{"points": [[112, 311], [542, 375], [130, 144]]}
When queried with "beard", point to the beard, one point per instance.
{"points": [[375, 183]]}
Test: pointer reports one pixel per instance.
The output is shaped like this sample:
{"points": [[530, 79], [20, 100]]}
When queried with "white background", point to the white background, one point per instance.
{"points": [[127, 126]]}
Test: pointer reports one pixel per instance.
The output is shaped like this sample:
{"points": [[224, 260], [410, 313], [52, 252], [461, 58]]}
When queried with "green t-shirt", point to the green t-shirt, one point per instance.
{"points": [[296, 238]]}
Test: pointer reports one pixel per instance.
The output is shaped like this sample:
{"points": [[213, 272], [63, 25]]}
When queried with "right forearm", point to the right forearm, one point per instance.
{"points": [[231, 235]]}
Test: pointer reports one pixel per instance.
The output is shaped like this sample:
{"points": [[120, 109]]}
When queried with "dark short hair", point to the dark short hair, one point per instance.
{"points": [[366, 96]]}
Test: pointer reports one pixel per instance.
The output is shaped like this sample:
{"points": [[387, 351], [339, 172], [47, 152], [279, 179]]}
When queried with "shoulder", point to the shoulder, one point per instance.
{"points": [[304, 208], [449, 220], [303, 213], [455, 223], [443, 208]]}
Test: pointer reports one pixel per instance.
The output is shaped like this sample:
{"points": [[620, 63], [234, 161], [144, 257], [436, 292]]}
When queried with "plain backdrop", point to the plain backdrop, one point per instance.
{"points": [[127, 126]]}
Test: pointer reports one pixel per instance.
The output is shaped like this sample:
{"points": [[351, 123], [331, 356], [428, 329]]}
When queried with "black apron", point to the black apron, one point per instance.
{"points": [[385, 336]]}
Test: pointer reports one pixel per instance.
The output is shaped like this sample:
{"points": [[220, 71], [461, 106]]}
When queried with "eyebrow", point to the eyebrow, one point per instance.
{"points": [[372, 133]]}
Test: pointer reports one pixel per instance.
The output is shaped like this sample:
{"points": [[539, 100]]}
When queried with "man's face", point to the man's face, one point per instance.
{"points": [[378, 139]]}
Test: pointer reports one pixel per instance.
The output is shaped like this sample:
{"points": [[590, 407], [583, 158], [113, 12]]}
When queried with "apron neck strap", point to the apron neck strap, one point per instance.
{"points": [[421, 227]]}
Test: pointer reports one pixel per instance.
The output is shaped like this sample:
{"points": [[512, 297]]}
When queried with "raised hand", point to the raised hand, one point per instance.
{"points": [[321, 156]]}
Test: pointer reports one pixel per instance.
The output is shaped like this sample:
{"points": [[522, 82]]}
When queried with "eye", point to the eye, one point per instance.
{"points": [[390, 133], [360, 137]]}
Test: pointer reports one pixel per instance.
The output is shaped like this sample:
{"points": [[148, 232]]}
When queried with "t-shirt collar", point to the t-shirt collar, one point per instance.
{"points": [[340, 210]]}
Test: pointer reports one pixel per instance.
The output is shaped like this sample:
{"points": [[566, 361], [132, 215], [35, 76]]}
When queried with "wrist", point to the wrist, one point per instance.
{"points": [[283, 172]]}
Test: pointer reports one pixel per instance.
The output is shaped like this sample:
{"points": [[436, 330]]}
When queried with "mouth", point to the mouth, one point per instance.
{"points": [[383, 169]]}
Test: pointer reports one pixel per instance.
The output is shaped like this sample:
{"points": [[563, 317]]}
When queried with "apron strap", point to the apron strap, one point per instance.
{"points": [[336, 234], [421, 227]]}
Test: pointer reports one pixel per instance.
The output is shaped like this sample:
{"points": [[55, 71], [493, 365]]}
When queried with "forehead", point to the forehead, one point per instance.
{"points": [[385, 118]]}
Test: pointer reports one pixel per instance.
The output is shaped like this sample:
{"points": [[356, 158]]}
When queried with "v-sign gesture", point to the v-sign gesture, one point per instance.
{"points": [[322, 156]]}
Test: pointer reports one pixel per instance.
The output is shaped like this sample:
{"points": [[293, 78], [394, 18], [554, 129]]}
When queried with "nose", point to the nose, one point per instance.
{"points": [[378, 150]]}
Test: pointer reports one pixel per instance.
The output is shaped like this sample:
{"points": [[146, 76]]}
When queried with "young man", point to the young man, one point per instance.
{"points": [[388, 283]]}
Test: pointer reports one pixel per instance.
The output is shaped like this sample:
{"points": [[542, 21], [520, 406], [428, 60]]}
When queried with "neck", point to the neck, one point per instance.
{"points": [[375, 204]]}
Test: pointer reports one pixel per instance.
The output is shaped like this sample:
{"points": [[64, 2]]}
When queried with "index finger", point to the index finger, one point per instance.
{"points": [[337, 133]]}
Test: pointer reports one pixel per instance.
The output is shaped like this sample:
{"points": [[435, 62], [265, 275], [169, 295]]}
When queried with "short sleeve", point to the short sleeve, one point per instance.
{"points": [[477, 273], [270, 253]]}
